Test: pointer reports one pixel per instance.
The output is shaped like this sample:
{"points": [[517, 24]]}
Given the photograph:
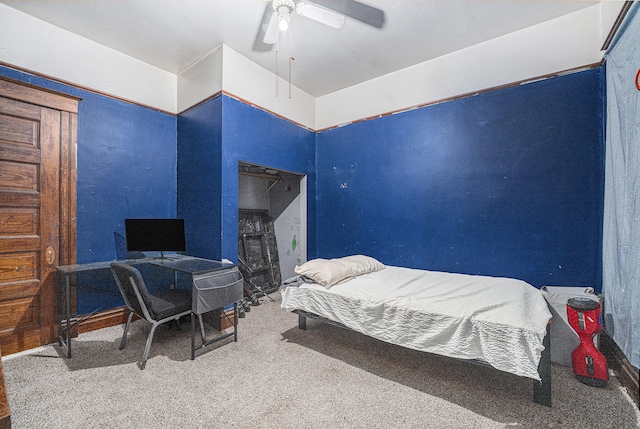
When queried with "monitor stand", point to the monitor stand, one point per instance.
{"points": [[162, 257]]}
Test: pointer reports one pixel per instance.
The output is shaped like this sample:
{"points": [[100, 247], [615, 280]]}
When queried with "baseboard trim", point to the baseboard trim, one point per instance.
{"points": [[105, 319], [118, 316], [218, 320], [628, 375]]}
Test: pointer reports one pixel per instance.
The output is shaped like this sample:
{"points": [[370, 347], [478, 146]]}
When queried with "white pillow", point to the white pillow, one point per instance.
{"points": [[325, 272], [361, 264]]}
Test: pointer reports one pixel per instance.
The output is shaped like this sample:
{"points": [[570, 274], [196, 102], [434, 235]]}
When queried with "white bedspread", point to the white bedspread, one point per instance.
{"points": [[497, 320]]}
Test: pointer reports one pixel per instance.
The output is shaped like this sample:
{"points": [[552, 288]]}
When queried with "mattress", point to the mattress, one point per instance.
{"points": [[500, 321]]}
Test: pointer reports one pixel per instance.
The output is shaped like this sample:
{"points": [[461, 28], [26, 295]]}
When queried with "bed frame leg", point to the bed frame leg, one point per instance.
{"points": [[542, 390], [302, 322]]}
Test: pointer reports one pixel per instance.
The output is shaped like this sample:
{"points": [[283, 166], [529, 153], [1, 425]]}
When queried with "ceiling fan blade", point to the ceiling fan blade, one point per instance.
{"points": [[320, 14], [259, 45], [271, 33], [356, 10]]}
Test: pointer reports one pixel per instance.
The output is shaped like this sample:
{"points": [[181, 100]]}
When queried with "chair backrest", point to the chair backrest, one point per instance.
{"points": [[133, 289]]}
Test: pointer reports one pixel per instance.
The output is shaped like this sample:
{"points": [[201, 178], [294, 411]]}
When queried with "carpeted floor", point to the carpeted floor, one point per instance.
{"points": [[277, 376]]}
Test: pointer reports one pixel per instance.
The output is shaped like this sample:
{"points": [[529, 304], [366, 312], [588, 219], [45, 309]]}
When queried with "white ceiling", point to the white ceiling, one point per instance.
{"points": [[174, 34]]}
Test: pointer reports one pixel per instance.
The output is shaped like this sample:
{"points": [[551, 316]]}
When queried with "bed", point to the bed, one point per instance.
{"points": [[495, 321]]}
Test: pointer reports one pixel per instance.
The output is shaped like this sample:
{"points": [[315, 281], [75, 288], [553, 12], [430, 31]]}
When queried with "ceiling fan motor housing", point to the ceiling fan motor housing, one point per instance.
{"points": [[288, 4], [283, 11]]}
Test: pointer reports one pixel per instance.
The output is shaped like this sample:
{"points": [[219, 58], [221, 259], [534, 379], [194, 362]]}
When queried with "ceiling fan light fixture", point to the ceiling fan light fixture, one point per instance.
{"points": [[284, 9], [283, 18]]}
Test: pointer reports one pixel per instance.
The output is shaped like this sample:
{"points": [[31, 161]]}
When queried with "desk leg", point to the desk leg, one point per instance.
{"points": [[235, 322], [68, 311], [193, 337], [202, 333], [59, 300]]}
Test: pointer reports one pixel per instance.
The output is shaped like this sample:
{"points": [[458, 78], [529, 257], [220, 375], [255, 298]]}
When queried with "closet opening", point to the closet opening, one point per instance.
{"points": [[272, 227]]}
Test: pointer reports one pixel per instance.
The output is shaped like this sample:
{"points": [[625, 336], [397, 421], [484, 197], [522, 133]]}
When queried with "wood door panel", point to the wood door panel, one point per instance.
{"points": [[19, 313], [14, 221], [19, 130], [16, 290], [16, 176], [17, 267], [8, 244], [18, 109], [37, 169], [14, 341], [19, 199], [15, 152]]}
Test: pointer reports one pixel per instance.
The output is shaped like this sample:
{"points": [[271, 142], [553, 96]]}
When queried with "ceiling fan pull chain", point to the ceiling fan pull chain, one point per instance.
{"points": [[290, 56], [277, 78]]}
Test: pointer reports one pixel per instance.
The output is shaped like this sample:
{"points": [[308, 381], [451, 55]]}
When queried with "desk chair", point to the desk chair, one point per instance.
{"points": [[158, 308]]}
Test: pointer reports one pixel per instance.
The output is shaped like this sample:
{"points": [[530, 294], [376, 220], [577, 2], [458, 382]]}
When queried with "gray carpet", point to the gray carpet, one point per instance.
{"points": [[277, 376]]}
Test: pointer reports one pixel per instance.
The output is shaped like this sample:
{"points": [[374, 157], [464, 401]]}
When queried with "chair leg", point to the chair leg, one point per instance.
{"points": [[147, 347], [123, 341]]}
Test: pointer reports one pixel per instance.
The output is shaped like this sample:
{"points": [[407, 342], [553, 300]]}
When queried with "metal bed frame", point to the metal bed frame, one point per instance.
{"points": [[541, 389]]}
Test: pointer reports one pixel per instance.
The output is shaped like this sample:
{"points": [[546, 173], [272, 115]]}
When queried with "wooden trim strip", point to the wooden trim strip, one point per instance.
{"points": [[105, 319], [468, 94], [616, 25], [200, 103], [247, 102], [218, 319], [257, 106], [628, 375], [68, 161], [118, 316], [31, 94], [73, 85], [5, 413]]}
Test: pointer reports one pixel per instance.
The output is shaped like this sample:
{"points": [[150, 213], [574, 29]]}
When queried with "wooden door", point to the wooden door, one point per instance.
{"points": [[36, 212]]}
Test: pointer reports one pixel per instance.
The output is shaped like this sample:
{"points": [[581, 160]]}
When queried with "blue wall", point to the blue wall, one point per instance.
{"points": [[258, 137], [505, 183], [126, 167], [200, 178], [212, 138], [126, 157]]}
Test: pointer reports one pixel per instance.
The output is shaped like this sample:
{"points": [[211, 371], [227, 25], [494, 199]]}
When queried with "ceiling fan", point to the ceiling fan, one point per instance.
{"points": [[278, 14]]}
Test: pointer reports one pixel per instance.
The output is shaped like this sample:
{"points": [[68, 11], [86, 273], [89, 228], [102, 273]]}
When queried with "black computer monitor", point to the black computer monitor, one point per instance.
{"points": [[159, 235]]}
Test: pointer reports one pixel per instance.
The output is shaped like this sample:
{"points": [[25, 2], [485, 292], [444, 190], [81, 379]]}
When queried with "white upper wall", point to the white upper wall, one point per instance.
{"points": [[248, 81], [200, 81], [40, 47], [226, 70], [564, 43]]}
